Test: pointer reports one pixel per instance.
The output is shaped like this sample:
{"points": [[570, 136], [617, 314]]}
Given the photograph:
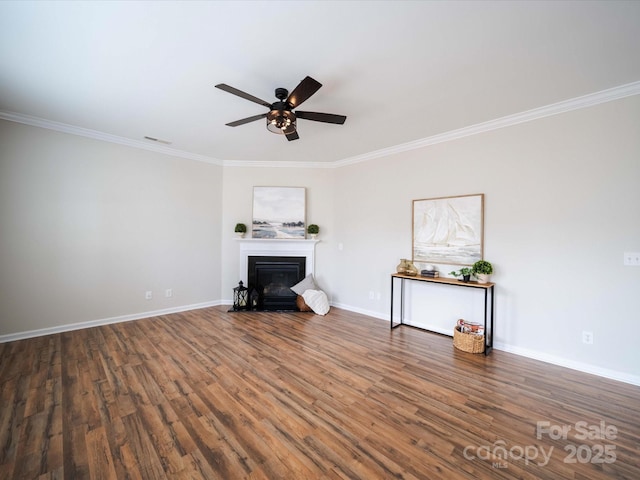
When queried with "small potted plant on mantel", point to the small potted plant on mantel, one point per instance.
{"points": [[313, 230], [240, 230], [482, 270], [464, 272]]}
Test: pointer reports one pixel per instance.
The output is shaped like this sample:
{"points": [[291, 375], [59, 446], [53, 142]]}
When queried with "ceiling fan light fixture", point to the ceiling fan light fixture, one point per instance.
{"points": [[282, 122], [280, 118]]}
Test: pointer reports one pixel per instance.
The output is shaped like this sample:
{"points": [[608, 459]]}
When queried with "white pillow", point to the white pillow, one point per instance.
{"points": [[318, 301], [307, 283]]}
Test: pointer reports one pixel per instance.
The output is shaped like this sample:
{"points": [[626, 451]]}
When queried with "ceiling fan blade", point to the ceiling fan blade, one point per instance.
{"points": [[321, 117], [292, 136], [307, 87], [246, 120], [241, 94]]}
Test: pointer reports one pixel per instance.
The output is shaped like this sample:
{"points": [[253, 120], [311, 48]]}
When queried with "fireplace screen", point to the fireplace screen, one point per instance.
{"points": [[273, 277]]}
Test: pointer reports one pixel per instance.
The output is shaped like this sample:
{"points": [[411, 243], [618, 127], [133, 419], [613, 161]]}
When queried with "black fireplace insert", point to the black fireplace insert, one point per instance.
{"points": [[272, 279]]}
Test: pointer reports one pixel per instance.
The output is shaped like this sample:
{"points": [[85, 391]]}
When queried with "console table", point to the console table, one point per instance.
{"points": [[488, 307]]}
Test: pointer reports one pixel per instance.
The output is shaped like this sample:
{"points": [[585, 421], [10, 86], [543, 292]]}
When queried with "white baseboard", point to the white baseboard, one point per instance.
{"points": [[564, 362], [368, 313], [524, 352], [533, 354], [104, 321]]}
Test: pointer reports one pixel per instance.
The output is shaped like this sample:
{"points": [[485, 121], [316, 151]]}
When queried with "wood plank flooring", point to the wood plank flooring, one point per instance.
{"points": [[208, 394]]}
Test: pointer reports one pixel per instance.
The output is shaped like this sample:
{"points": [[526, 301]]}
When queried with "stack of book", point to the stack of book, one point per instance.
{"points": [[430, 273]]}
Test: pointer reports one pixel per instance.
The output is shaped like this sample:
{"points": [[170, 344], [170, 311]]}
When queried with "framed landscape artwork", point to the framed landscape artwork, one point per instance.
{"points": [[278, 212], [448, 230]]}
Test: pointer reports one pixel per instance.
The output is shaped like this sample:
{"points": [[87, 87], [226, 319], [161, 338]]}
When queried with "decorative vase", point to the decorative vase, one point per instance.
{"points": [[406, 267], [483, 277], [411, 269], [239, 234]]}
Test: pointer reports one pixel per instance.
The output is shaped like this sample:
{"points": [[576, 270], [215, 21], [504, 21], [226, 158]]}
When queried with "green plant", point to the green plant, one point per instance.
{"points": [[463, 272], [313, 229], [240, 228], [482, 267]]}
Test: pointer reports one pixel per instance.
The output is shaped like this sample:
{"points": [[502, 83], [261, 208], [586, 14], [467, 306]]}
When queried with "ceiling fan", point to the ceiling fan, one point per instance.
{"points": [[280, 117]]}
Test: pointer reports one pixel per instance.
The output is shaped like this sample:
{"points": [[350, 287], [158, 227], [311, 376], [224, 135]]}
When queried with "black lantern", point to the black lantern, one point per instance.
{"points": [[254, 299], [240, 297]]}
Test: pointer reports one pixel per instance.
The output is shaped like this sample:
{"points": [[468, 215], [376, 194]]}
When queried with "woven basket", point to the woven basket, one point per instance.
{"points": [[302, 305], [468, 342]]}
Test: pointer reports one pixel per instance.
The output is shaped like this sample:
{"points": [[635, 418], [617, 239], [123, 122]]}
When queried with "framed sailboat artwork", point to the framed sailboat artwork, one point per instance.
{"points": [[448, 230]]}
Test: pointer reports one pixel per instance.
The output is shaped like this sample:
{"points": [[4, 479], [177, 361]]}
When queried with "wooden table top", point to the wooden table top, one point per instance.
{"points": [[448, 281]]}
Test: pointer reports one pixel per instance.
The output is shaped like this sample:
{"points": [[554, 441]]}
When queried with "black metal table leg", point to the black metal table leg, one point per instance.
{"points": [[488, 313], [492, 304], [401, 303], [391, 315], [488, 334]]}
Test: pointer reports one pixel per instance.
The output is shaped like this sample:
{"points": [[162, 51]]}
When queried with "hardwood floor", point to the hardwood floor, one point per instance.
{"points": [[217, 395]]}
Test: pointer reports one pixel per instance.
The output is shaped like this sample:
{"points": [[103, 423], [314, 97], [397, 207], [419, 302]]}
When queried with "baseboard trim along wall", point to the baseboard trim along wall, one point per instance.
{"points": [[533, 354], [104, 321], [563, 362]]}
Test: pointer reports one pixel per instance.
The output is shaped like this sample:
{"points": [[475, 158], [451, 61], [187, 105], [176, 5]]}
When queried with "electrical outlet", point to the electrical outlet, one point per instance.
{"points": [[168, 293], [371, 295], [632, 259], [148, 295], [587, 337]]}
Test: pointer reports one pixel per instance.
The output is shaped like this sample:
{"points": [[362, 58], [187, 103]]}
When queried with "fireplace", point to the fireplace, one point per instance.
{"points": [[275, 249], [273, 278]]}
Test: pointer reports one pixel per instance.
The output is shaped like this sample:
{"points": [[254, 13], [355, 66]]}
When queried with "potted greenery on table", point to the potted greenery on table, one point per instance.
{"points": [[482, 270], [464, 272]]}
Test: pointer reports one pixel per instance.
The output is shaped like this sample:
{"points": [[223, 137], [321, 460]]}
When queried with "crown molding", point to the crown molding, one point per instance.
{"points": [[577, 103], [105, 137]]}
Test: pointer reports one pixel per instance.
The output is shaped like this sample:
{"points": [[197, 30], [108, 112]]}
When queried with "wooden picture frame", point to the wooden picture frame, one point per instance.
{"points": [[448, 230]]}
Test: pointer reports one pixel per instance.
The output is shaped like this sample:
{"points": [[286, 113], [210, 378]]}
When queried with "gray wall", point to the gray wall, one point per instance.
{"points": [[562, 204], [87, 227]]}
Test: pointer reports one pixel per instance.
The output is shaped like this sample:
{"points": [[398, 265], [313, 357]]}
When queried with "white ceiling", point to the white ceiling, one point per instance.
{"points": [[400, 71]]}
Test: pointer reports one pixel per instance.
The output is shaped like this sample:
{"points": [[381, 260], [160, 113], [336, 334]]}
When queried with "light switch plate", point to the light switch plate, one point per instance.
{"points": [[632, 259]]}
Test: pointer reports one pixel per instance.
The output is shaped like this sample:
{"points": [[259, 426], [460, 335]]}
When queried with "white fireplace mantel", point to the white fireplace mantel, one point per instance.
{"points": [[281, 247]]}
